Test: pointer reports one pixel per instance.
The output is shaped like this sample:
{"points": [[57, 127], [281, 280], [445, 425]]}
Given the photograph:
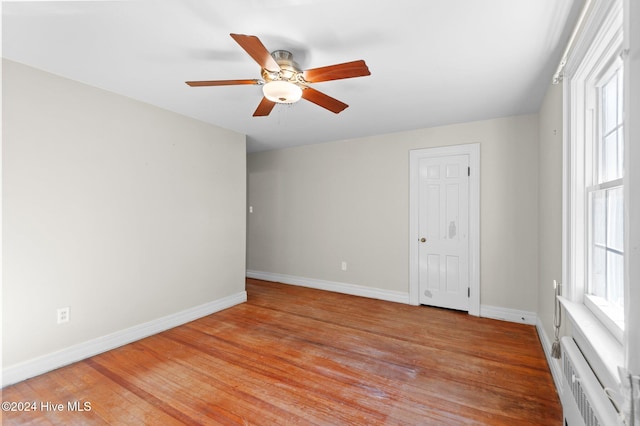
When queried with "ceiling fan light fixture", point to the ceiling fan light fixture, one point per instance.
{"points": [[283, 82], [282, 92]]}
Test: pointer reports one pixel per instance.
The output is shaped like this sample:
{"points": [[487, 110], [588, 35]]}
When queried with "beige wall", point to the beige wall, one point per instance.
{"points": [[550, 203], [121, 211], [315, 206]]}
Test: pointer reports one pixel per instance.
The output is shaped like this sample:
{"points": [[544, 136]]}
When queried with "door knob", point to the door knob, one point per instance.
{"points": [[423, 240]]}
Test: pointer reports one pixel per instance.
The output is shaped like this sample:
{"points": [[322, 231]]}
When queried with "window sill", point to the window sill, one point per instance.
{"points": [[601, 349], [610, 317]]}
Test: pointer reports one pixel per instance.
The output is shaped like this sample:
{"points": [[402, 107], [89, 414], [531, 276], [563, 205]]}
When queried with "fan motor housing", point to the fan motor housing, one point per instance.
{"points": [[289, 69]]}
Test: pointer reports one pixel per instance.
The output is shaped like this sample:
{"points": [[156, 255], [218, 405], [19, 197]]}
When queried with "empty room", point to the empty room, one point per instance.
{"points": [[321, 213]]}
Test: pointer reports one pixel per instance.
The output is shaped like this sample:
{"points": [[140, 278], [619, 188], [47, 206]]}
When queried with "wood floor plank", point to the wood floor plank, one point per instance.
{"points": [[338, 379], [294, 355], [382, 361]]}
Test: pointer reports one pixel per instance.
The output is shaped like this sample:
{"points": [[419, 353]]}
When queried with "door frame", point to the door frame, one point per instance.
{"points": [[415, 155]]}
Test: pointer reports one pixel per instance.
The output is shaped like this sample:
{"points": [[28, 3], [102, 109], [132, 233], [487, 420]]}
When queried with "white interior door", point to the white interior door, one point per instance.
{"points": [[443, 235]]}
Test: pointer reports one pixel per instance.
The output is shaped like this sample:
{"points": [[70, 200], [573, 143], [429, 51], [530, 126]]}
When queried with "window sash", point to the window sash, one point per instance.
{"points": [[609, 144]]}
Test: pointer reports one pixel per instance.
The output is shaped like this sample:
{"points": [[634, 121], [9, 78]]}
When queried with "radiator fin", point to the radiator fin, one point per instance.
{"points": [[581, 399], [587, 403]]}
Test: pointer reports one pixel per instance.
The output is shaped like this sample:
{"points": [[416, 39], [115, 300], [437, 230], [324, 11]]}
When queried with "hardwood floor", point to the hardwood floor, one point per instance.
{"points": [[293, 355]]}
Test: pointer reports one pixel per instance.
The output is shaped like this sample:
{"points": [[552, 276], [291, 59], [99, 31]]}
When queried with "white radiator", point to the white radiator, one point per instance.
{"points": [[584, 402]]}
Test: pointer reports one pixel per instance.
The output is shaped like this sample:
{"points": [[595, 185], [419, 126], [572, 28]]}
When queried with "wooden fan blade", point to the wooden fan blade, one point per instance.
{"points": [[325, 101], [337, 72], [264, 108], [254, 47], [221, 82]]}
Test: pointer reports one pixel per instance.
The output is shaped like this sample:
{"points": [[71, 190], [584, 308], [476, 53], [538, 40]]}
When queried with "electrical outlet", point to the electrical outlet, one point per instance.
{"points": [[344, 266], [63, 315]]}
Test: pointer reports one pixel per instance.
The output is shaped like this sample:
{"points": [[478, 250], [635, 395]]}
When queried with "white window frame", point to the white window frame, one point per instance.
{"points": [[608, 62]]}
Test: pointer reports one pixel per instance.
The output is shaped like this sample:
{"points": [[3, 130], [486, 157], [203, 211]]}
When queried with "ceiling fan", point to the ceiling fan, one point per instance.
{"points": [[282, 80]]}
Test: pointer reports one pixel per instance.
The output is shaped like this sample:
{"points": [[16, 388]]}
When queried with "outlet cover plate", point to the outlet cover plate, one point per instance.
{"points": [[63, 315]]}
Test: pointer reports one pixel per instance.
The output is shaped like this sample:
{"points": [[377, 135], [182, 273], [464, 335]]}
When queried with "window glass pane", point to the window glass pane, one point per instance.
{"points": [[610, 104], [610, 157], [598, 217], [615, 218], [620, 95], [600, 162], [620, 150], [598, 272], [615, 274]]}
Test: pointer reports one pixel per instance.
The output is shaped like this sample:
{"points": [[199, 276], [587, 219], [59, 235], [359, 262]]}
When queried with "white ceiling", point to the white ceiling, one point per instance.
{"points": [[432, 62]]}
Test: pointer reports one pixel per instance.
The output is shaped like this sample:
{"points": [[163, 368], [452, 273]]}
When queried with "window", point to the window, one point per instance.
{"points": [[604, 292], [596, 177]]}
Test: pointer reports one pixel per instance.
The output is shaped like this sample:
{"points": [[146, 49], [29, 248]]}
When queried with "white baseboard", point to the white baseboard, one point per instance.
{"points": [[506, 314], [338, 287], [554, 364], [80, 351]]}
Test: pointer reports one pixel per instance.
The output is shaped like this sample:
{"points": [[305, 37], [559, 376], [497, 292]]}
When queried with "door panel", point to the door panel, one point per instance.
{"points": [[453, 276], [444, 224]]}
